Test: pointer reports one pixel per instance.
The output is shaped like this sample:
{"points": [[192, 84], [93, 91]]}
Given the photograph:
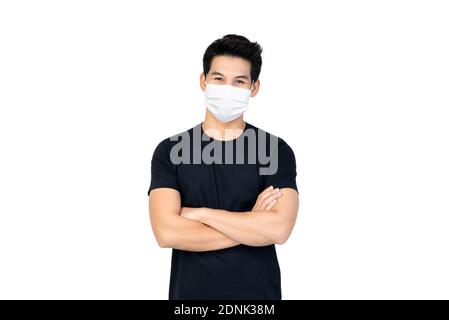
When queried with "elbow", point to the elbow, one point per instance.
{"points": [[164, 240], [282, 236], [280, 240], [162, 243]]}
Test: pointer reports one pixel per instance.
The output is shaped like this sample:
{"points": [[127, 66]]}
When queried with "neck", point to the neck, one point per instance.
{"points": [[223, 130]]}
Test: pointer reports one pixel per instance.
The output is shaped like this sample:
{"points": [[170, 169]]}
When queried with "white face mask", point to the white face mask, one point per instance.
{"points": [[225, 101]]}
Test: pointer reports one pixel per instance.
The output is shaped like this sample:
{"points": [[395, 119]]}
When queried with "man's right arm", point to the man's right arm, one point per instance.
{"points": [[174, 231]]}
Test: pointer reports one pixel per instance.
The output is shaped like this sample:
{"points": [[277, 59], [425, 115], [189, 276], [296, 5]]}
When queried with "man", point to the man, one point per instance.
{"points": [[219, 210]]}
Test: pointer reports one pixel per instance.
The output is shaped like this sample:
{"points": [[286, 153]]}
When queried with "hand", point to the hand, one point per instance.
{"points": [[267, 199], [191, 213]]}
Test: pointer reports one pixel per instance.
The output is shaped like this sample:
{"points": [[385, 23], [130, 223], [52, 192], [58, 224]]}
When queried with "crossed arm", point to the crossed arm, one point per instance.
{"points": [[203, 229]]}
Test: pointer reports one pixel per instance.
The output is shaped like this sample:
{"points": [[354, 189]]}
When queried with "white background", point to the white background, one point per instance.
{"points": [[359, 90]]}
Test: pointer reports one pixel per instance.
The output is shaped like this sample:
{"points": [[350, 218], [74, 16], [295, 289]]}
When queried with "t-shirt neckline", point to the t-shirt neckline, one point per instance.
{"points": [[203, 133]]}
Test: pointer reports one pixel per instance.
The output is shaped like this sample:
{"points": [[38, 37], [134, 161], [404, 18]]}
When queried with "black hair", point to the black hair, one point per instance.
{"points": [[236, 46]]}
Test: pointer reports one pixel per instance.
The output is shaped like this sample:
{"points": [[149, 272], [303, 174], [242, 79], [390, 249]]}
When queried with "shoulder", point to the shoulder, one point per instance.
{"points": [[272, 141], [175, 138], [164, 146]]}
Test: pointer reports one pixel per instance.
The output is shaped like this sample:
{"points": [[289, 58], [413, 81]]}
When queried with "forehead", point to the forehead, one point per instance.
{"points": [[230, 66]]}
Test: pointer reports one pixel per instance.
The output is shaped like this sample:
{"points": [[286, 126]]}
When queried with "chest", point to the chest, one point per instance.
{"points": [[233, 187]]}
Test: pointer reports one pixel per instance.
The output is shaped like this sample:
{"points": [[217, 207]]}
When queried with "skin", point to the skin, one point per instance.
{"points": [[227, 70], [270, 221], [270, 224]]}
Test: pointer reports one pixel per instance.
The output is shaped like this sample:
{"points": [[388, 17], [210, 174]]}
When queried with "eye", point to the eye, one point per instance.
{"points": [[218, 78], [240, 81]]}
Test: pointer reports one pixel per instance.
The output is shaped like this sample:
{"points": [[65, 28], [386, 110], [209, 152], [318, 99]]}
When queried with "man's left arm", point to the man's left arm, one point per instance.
{"points": [[253, 228]]}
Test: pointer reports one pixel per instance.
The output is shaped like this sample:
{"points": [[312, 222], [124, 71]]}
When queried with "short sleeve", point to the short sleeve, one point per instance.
{"points": [[285, 175], [163, 171]]}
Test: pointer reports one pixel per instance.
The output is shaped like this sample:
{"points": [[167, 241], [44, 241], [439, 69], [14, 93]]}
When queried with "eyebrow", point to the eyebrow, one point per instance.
{"points": [[219, 74]]}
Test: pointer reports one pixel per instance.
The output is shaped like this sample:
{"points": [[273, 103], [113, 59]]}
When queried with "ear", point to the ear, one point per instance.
{"points": [[255, 88], [203, 81]]}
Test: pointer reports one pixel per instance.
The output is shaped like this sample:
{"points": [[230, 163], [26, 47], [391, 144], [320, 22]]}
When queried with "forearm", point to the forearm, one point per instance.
{"points": [[253, 228], [189, 235]]}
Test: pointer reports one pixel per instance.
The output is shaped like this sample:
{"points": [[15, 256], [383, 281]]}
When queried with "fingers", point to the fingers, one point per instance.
{"points": [[270, 199], [271, 205], [265, 195], [267, 198], [266, 190], [269, 194]]}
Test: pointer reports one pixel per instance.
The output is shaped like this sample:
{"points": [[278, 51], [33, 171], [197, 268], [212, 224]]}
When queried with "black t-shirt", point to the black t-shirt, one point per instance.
{"points": [[240, 272]]}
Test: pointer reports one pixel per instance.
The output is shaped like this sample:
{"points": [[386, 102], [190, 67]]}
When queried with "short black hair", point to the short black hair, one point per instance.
{"points": [[236, 46]]}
